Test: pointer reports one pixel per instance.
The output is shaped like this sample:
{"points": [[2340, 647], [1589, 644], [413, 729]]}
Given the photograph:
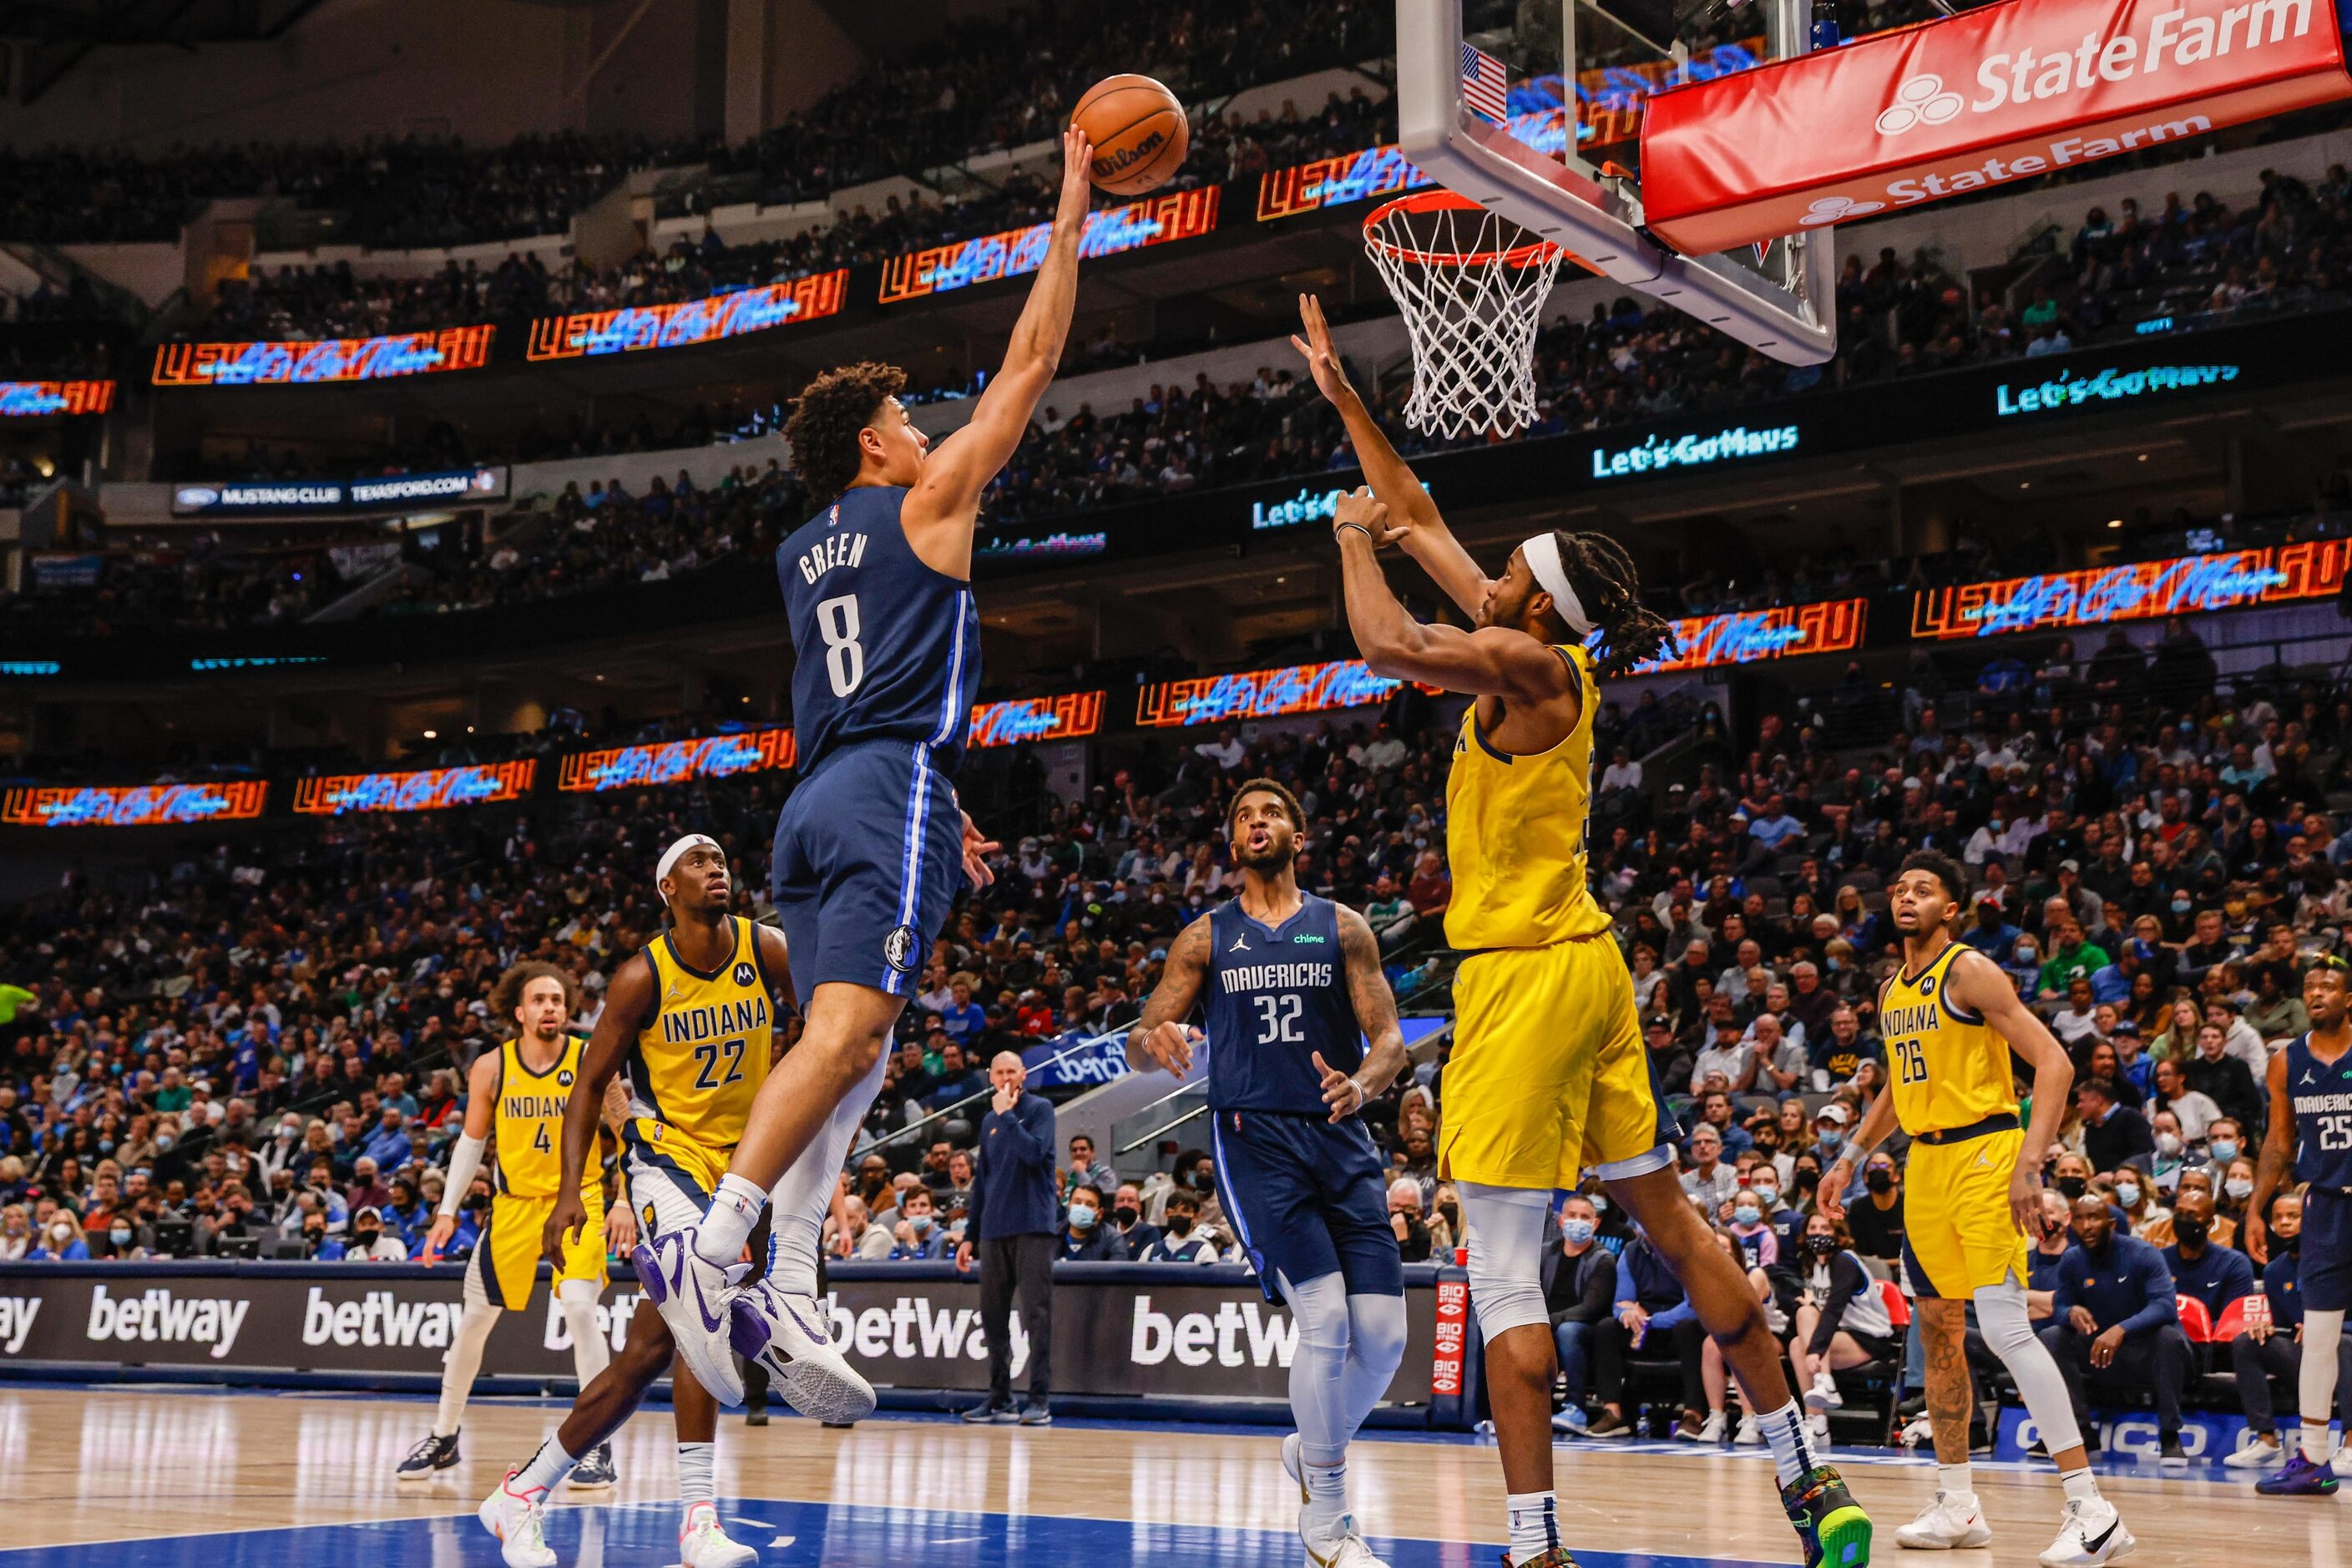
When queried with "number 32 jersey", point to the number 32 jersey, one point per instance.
{"points": [[695, 1068], [885, 649], [1277, 995], [1948, 1067]]}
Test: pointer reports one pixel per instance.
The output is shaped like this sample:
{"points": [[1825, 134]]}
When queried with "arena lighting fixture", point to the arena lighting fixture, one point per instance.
{"points": [[2114, 522], [432, 734]]}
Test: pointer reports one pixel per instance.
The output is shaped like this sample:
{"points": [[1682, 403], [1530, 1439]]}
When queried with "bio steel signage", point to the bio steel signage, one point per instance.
{"points": [[2000, 93]]}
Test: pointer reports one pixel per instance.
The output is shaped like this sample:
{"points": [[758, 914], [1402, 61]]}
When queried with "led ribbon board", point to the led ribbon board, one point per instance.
{"points": [[1261, 694], [1064, 718], [1745, 637], [37, 399], [328, 359], [960, 264], [433, 789], [1334, 181], [676, 762], [135, 805], [2143, 591], [708, 320]]}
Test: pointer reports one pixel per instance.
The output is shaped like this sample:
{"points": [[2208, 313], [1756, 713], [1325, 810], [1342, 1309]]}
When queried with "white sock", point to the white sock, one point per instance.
{"points": [[1535, 1523], [804, 1195], [465, 1363], [1953, 1480], [2314, 1440], [696, 1464], [2081, 1485], [1792, 1446], [547, 1467], [727, 1223], [1327, 1497]]}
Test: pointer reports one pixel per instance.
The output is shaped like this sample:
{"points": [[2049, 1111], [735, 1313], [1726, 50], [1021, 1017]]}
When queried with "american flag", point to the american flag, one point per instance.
{"points": [[1484, 86]]}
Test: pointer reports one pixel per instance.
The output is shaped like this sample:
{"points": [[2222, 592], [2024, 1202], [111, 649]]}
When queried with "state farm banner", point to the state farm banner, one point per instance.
{"points": [[2005, 92], [1119, 1329]]}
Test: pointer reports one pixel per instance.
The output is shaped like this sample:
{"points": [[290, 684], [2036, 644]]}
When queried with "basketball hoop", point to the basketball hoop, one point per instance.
{"points": [[1471, 284]]}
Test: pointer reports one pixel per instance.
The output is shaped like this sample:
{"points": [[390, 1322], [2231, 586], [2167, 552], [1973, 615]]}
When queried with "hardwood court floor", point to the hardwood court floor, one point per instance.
{"points": [[172, 1477]]}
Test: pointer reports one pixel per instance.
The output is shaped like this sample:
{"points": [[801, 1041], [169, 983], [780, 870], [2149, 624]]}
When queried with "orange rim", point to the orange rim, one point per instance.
{"points": [[1420, 202]]}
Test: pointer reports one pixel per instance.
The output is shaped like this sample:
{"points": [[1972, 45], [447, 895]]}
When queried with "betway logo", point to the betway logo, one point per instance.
{"points": [[612, 1322], [17, 1315], [1240, 1334], [379, 1318], [912, 1329], [2175, 39], [156, 1314]]}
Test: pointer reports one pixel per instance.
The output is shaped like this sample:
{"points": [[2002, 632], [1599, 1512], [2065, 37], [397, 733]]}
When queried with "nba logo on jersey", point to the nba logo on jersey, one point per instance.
{"points": [[744, 975], [899, 947]]}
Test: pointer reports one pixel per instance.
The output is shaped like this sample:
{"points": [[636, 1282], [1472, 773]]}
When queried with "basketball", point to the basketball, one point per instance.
{"points": [[1137, 130]]}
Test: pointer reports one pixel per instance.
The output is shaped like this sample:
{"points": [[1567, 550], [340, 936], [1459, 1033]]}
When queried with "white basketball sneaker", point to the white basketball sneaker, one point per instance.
{"points": [[1825, 1393], [787, 1335], [702, 1544], [1953, 1520], [2093, 1534], [694, 1297], [519, 1519], [1750, 1434], [1346, 1550], [2256, 1455]]}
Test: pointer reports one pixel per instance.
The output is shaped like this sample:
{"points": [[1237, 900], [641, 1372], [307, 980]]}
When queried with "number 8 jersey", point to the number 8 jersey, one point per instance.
{"points": [[1949, 1068], [885, 649], [695, 1069]]}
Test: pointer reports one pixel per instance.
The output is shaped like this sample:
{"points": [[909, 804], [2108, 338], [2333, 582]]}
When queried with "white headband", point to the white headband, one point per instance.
{"points": [[671, 856], [1543, 559]]}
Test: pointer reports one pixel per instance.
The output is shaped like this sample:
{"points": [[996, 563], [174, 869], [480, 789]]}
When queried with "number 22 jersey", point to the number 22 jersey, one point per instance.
{"points": [[694, 1069]]}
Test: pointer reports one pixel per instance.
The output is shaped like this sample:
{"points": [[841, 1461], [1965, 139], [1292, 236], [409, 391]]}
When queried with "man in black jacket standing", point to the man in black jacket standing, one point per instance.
{"points": [[1011, 1227], [1579, 1284]]}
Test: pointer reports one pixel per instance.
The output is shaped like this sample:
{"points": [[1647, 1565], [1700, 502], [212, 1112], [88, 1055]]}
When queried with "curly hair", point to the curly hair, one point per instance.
{"points": [[823, 430], [1290, 807], [1943, 868], [508, 996], [1605, 580]]}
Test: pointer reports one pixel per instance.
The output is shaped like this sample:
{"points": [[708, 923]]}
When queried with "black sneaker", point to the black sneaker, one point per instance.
{"points": [[988, 1411], [2168, 1450], [757, 1417], [431, 1454], [594, 1472], [1036, 1413]]}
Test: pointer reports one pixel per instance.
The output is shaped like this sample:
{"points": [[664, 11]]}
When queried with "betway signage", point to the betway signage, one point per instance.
{"points": [[2000, 93]]}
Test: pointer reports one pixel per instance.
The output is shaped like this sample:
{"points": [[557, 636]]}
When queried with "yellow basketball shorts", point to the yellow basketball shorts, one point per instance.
{"points": [[1957, 1232], [1548, 1075], [506, 1259]]}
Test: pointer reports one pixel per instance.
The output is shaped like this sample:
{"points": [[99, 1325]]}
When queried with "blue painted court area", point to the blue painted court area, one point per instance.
{"points": [[787, 1535]]}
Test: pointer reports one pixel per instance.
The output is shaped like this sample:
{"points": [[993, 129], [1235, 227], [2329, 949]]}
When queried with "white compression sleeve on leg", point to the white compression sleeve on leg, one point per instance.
{"points": [[1375, 1349], [464, 1365], [2008, 1327], [1506, 1226], [804, 1195], [2315, 1385], [1318, 1367], [590, 1352]]}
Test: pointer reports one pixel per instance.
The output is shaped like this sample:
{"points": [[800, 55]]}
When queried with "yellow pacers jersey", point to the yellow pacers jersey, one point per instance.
{"points": [[1948, 1067], [529, 1124], [694, 1070], [1515, 834]]}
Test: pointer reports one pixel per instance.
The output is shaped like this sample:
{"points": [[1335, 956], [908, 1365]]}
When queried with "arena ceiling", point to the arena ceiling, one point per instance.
{"points": [[53, 36]]}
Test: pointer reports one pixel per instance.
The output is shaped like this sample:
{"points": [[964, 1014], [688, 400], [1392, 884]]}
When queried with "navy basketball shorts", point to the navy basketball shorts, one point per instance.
{"points": [[868, 859], [1307, 1198], [2324, 1271]]}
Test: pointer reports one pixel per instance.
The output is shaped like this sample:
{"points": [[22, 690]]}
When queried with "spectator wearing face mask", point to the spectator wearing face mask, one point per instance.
{"points": [[1135, 1232], [318, 1244], [1877, 1220], [1084, 1237], [1650, 1310], [2237, 1186], [2135, 1198], [2113, 1316], [1181, 1239], [369, 1242], [917, 1237], [1404, 1219], [1750, 1228], [1841, 1320], [2051, 1234], [2202, 1266], [2271, 1347], [59, 1241], [1579, 1283]]}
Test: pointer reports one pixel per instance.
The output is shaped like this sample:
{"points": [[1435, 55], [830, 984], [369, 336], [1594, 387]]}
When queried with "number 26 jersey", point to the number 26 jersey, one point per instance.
{"points": [[1948, 1067]]}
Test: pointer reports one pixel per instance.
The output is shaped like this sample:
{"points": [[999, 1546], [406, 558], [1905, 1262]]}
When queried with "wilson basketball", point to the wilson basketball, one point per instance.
{"points": [[1137, 130]]}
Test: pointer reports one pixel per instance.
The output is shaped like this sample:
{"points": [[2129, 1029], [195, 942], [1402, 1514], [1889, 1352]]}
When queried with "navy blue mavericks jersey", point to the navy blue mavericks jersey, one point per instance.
{"points": [[887, 648], [1275, 998], [2321, 1093]]}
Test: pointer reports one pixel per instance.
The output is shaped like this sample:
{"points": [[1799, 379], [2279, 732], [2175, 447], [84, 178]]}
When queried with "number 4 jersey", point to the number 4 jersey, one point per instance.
{"points": [[1949, 1067], [885, 647], [1277, 995], [695, 1069]]}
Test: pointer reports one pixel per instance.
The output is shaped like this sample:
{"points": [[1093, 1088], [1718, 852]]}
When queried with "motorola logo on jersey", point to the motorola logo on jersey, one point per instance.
{"points": [[745, 974], [563, 1079], [899, 947]]}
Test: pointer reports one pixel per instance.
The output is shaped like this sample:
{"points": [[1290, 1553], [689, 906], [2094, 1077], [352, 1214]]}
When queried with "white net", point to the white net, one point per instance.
{"points": [[1472, 285]]}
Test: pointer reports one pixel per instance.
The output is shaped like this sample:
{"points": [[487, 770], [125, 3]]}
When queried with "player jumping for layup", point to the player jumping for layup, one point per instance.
{"points": [[1549, 1075], [518, 1092], [2311, 1134], [870, 844], [1951, 1018], [1286, 978], [690, 1020]]}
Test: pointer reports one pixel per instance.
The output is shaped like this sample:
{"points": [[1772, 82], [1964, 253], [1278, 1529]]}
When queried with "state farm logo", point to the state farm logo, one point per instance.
{"points": [[1921, 100], [1835, 209]]}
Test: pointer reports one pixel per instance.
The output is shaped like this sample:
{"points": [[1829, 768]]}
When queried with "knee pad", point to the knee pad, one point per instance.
{"points": [[1505, 1237]]}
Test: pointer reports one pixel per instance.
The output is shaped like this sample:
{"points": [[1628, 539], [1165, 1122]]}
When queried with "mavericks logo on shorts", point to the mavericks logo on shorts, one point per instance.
{"points": [[899, 947], [745, 974]]}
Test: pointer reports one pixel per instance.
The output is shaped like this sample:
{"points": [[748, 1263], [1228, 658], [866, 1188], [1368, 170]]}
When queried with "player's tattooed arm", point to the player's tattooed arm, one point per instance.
{"points": [[1161, 1035], [2276, 1160], [1376, 1015]]}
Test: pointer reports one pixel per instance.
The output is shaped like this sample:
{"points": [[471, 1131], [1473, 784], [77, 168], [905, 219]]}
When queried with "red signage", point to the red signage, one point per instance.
{"points": [[2004, 93], [1743, 636], [1451, 1341], [141, 806], [32, 399], [325, 359], [732, 315], [2141, 591], [433, 789]]}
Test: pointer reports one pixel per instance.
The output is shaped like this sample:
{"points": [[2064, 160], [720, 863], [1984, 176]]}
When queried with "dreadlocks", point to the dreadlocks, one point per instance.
{"points": [[1610, 589]]}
